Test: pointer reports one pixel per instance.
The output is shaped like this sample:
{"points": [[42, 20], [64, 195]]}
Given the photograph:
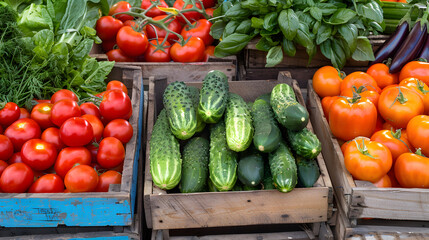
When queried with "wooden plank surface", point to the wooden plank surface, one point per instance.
{"points": [[298, 235], [76, 236]]}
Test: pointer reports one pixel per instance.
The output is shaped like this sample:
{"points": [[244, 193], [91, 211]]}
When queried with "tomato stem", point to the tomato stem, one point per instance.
{"points": [[400, 98], [363, 150], [2, 105]]}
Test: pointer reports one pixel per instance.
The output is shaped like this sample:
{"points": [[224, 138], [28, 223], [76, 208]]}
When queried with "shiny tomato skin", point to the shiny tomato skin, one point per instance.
{"points": [[154, 11], [21, 131], [115, 104], [97, 126], [359, 79], [380, 73], [63, 110], [6, 148], [209, 52], [3, 166], [132, 43], [76, 132], [153, 55], [201, 29], [38, 154], [41, 113], [93, 149], [173, 25], [16, 158], [327, 82], [120, 129], [192, 51], [108, 45], [209, 4], [418, 133], [118, 7], [90, 108], [16, 178], [52, 135], [81, 178], [396, 142], [24, 114], [118, 55], [420, 88], [384, 182], [371, 95], [9, 114], [417, 70], [69, 156], [411, 171], [63, 94], [49, 183], [191, 16], [115, 84], [107, 27], [107, 178], [111, 153]]}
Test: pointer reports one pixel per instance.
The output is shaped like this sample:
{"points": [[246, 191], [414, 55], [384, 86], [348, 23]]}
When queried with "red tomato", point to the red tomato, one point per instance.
{"points": [[359, 79], [9, 113], [384, 182], [209, 52], [201, 29], [417, 70], [132, 43], [115, 84], [118, 55], [115, 104], [41, 113], [69, 156], [21, 131], [131, 23], [192, 51], [1, 129], [97, 126], [120, 129], [411, 170], [81, 178], [156, 32], [49, 183], [107, 178], [52, 135], [16, 178], [192, 15], [119, 7], [418, 133], [154, 11], [63, 110], [16, 158], [209, 3], [76, 132], [154, 55], [24, 113], [93, 149], [3, 166], [111, 153], [6, 148], [90, 108], [394, 141], [38, 154], [380, 73], [63, 94], [108, 45], [209, 11], [107, 27]]}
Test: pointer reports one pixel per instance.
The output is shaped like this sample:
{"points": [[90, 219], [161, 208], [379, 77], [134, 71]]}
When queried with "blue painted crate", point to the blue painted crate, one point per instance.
{"points": [[115, 208], [102, 235]]}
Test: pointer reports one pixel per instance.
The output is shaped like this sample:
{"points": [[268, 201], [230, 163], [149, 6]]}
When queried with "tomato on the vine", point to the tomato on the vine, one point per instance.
{"points": [[120, 129], [81, 178], [411, 170], [63, 94], [192, 51], [155, 11], [9, 113], [327, 81], [107, 27], [153, 54], [69, 156], [49, 183], [76, 132], [192, 15], [209, 11], [115, 84], [16, 178], [6, 148], [63, 110], [52, 135], [38, 154], [201, 29], [90, 108], [372, 95], [418, 133], [121, 6], [208, 4], [380, 73], [115, 104], [111, 153], [21, 131], [132, 43], [97, 126], [41, 113], [118, 55], [107, 178], [173, 25]]}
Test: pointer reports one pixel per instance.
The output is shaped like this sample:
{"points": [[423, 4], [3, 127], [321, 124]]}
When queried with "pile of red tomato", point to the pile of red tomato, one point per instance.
{"points": [[382, 119], [133, 46], [61, 146]]}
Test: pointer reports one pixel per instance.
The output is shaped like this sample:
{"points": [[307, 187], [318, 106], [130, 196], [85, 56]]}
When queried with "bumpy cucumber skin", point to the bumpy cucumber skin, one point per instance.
{"points": [[213, 96], [211, 186], [308, 171], [267, 182], [195, 95], [223, 161], [266, 97], [283, 168], [165, 158], [304, 143], [195, 165], [180, 110], [287, 110], [251, 170], [267, 133], [238, 121]]}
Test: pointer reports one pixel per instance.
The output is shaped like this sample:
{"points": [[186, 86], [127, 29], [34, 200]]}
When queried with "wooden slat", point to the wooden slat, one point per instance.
{"points": [[298, 235], [103, 235]]}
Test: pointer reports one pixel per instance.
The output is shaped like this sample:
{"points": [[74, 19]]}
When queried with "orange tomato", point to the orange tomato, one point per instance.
{"points": [[398, 105], [373, 96], [392, 177], [359, 79], [415, 69], [367, 160], [411, 170], [394, 141], [384, 182], [379, 124], [327, 81], [326, 105], [344, 145], [418, 133], [380, 73], [420, 88], [352, 117]]}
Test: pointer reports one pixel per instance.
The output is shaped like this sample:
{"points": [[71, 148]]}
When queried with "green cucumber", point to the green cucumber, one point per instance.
{"points": [[287, 110], [213, 96], [308, 171], [238, 121], [267, 182], [195, 95], [223, 161], [283, 168], [211, 186], [266, 97], [304, 143], [251, 188], [165, 159], [195, 165], [267, 133], [180, 110], [237, 187], [251, 170]]}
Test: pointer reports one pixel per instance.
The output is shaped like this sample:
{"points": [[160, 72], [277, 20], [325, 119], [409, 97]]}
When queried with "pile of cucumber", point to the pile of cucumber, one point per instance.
{"points": [[216, 129]]}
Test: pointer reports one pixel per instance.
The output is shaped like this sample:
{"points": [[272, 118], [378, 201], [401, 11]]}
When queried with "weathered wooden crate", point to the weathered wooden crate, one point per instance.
{"points": [[176, 71], [220, 209], [114, 208], [361, 199]]}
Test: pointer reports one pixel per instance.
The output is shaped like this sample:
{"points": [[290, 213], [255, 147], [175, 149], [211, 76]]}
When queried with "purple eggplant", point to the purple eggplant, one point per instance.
{"points": [[410, 48], [424, 54], [392, 44]]}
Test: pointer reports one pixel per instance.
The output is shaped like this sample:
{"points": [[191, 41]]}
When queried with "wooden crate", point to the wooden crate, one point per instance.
{"points": [[176, 71], [114, 208], [219, 209], [360, 199]]}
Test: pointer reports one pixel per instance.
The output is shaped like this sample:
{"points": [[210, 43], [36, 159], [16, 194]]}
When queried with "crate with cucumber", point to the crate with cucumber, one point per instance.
{"points": [[219, 151]]}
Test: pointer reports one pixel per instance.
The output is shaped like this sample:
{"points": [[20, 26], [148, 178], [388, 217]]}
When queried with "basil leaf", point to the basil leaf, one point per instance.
{"points": [[288, 47], [225, 7], [349, 32], [341, 16], [316, 27], [265, 43], [232, 44], [289, 23], [371, 10], [266, 33], [304, 37], [244, 27], [217, 29], [326, 8], [230, 28], [363, 50], [270, 21], [257, 22], [274, 56], [236, 12], [218, 11], [323, 33], [316, 13], [336, 56]]}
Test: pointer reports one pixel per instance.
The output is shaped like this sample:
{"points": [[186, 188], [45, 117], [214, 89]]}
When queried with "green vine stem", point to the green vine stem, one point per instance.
{"points": [[363, 149]]}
